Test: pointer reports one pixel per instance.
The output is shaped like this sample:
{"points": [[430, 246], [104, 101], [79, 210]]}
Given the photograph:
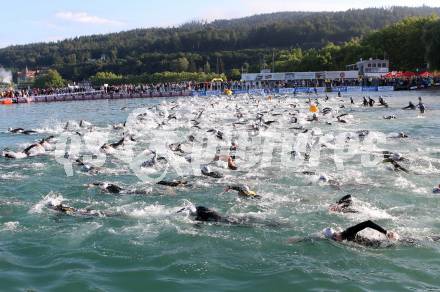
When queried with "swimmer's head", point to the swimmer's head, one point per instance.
{"points": [[191, 210], [397, 156], [206, 169], [328, 232], [335, 208]]}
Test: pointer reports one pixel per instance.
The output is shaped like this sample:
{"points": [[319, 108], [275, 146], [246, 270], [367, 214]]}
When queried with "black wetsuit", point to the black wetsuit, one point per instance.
{"points": [[365, 102], [76, 212], [204, 214], [351, 233], [421, 107], [113, 189], [18, 130], [213, 174], [410, 106], [382, 102], [396, 165], [172, 183], [345, 203]]}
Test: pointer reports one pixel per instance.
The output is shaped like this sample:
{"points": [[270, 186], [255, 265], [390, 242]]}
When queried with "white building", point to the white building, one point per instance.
{"points": [[371, 67]]}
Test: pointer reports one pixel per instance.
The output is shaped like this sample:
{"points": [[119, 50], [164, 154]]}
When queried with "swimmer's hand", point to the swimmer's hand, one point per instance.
{"points": [[392, 236]]}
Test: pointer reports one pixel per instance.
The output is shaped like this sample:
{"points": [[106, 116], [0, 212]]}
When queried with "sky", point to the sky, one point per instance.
{"points": [[28, 21]]}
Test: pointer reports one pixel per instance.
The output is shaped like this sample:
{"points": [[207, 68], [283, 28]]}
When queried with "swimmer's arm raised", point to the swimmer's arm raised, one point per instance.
{"points": [[350, 233]]}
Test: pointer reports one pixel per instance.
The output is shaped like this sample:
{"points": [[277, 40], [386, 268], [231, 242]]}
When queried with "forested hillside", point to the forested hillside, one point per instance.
{"points": [[299, 40]]}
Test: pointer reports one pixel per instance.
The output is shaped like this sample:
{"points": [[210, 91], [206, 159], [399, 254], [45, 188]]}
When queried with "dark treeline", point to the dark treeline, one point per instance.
{"points": [[301, 41]]}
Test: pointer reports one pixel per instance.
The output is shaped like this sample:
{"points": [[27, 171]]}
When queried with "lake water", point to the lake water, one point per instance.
{"points": [[148, 247]]}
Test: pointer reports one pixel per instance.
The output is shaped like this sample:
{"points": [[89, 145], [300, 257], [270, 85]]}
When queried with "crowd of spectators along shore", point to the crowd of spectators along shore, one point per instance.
{"points": [[181, 87], [13, 93]]}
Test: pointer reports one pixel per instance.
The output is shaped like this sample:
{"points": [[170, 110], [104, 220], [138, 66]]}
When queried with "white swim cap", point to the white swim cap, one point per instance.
{"points": [[397, 156], [328, 232], [192, 209], [206, 168]]}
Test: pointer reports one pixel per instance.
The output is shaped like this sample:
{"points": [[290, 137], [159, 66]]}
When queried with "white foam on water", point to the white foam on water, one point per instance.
{"points": [[12, 176], [51, 198], [11, 226]]}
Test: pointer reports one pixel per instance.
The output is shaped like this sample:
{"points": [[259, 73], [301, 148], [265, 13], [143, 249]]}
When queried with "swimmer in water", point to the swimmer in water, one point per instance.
{"points": [[396, 166], [173, 184], [364, 101], [391, 117], [206, 171], [421, 106], [85, 124], [436, 190], [153, 161], [394, 156], [85, 167], [21, 131], [351, 234], [343, 205], [243, 191], [113, 146], [340, 120], [204, 214], [410, 106], [231, 163], [62, 209], [371, 102], [314, 118], [400, 135], [107, 187], [382, 102], [31, 151], [113, 189]]}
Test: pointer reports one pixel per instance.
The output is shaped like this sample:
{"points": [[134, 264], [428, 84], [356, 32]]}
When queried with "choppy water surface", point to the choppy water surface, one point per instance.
{"points": [[147, 246]]}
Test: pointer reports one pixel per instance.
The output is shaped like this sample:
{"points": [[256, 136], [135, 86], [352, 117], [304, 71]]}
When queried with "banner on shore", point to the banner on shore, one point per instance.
{"points": [[339, 89], [295, 90], [301, 90], [354, 89], [369, 88], [304, 75], [239, 91], [256, 91], [332, 75], [213, 92], [385, 88], [292, 76], [286, 90]]}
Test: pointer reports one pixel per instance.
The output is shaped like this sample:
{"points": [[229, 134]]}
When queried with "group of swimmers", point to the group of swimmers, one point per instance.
{"points": [[205, 214]]}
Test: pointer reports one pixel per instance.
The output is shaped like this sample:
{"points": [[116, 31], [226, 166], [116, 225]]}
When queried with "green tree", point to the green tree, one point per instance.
{"points": [[102, 78], [432, 41], [207, 67], [235, 74], [180, 65], [52, 79]]}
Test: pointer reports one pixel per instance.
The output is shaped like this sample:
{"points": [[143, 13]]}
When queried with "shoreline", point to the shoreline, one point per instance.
{"points": [[110, 96]]}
